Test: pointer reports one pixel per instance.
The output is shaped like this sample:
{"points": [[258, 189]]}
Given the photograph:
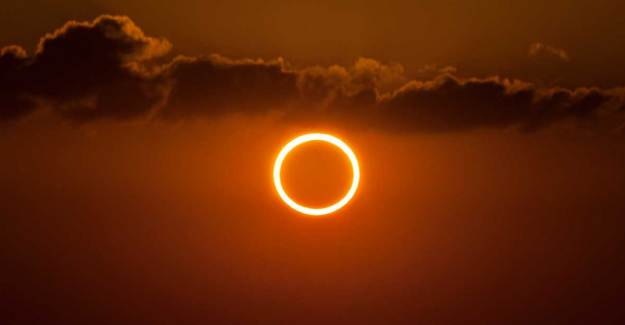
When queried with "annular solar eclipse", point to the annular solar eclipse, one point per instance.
{"points": [[300, 140]]}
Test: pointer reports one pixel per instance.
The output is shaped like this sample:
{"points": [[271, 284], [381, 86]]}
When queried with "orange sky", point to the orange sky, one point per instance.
{"points": [[181, 222], [135, 187]]}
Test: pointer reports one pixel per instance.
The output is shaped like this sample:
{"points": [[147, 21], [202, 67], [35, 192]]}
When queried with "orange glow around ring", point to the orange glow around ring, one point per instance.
{"points": [[277, 167]]}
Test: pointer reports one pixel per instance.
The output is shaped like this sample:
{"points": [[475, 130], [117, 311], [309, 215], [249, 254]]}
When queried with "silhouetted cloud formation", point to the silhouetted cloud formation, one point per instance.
{"points": [[108, 68], [84, 71]]}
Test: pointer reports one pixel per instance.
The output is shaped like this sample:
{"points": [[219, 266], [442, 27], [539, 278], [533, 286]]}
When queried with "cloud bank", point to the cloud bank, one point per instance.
{"points": [[109, 69]]}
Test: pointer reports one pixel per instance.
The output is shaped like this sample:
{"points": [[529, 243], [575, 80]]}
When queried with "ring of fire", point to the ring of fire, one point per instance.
{"points": [[316, 137]]}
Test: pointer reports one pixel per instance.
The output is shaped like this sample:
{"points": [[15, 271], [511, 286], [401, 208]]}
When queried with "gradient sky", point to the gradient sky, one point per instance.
{"points": [[136, 154]]}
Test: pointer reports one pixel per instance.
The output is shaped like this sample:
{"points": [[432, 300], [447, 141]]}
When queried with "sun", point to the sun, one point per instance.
{"points": [[302, 139]]}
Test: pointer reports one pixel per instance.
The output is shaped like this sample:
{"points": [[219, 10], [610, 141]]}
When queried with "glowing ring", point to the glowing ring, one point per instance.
{"points": [[316, 137]]}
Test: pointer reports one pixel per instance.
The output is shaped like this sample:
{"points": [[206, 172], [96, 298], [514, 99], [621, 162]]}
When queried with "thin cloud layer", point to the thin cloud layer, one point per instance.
{"points": [[109, 69], [539, 50]]}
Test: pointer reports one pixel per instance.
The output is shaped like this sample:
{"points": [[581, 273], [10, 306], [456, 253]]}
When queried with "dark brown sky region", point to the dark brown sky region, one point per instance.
{"points": [[137, 141]]}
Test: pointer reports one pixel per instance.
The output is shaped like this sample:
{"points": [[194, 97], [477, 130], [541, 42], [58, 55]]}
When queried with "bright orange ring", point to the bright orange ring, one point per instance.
{"points": [[316, 137]]}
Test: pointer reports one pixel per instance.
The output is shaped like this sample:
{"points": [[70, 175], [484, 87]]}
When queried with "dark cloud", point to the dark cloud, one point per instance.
{"points": [[13, 101], [108, 68], [84, 71], [216, 85], [449, 103]]}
